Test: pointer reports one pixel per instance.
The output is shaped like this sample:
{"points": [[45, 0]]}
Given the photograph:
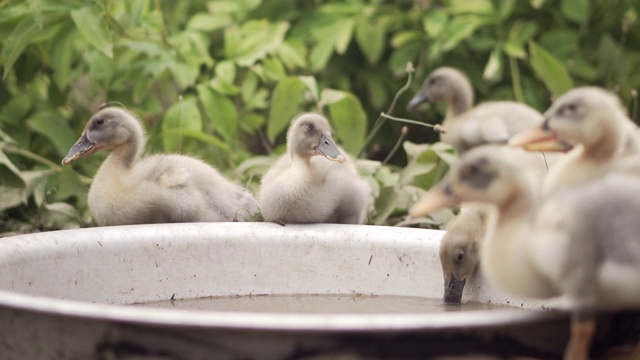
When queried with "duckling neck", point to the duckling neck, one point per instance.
{"points": [[125, 155], [462, 99], [606, 148]]}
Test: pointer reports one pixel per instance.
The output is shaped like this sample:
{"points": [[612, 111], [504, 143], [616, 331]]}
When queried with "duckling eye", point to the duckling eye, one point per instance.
{"points": [[100, 121], [460, 257], [433, 81]]}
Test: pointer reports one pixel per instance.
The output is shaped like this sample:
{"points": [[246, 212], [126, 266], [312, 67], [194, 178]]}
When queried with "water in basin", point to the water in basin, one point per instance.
{"points": [[319, 304]]}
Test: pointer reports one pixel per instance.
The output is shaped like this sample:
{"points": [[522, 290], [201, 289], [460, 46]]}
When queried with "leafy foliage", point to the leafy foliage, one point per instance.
{"points": [[221, 79]]}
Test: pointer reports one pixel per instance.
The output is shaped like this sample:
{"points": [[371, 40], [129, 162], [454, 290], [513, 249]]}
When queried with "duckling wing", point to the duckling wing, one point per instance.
{"points": [[185, 189]]}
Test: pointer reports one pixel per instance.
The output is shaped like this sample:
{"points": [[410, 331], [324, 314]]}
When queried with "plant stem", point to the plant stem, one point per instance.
{"points": [[29, 155], [403, 134], [380, 121], [515, 77], [414, 122]]}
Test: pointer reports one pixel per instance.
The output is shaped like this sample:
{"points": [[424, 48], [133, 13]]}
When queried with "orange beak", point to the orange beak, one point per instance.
{"points": [[437, 198], [539, 139]]}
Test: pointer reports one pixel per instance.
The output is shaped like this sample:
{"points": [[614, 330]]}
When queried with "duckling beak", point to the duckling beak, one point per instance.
{"points": [[539, 139], [83, 147], [437, 198], [329, 149], [453, 290], [418, 99]]}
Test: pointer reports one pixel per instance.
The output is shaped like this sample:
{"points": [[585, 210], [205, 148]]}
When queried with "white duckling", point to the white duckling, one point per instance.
{"points": [[155, 189], [595, 123], [581, 243], [314, 182], [467, 126]]}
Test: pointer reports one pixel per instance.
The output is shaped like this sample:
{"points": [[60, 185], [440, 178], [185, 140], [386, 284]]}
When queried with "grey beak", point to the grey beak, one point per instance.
{"points": [[81, 148], [417, 100], [328, 148], [453, 291]]}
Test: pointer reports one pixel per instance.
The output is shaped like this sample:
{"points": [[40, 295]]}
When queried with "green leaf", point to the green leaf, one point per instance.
{"points": [[181, 115], [320, 54], [331, 96], [254, 40], [576, 10], [350, 122], [505, 8], [196, 135], [209, 22], [370, 36], [292, 54], [53, 126], [550, 70], [434, 21], [36, 9], [10, 175], [273, 69], [62, 51], [460, 28], [520, 33], [184, 74], [481, 7], [222, 112], [286, 101], [310, 82], [91, 24], [330, 35], [21, 36], [493, 68]]}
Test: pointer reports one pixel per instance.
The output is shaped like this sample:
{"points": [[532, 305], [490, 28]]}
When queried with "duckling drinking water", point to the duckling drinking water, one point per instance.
{"points": [[581, 242], [128, 189]]}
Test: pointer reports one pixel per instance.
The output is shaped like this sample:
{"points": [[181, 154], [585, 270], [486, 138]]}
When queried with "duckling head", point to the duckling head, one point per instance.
{"points": [[108, 129], [444, 84], [589, 116], [484, 174], [459, 257], [310, 135]]}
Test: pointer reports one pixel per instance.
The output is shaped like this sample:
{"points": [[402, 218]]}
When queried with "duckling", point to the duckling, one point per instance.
{"points": [[580, 243], [595, 123], [314, 182], [161, 188], [460, 249], [467, 126]]}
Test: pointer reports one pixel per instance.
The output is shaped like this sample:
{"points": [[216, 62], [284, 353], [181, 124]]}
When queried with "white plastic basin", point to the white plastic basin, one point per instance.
{"points": [[64, 295]]}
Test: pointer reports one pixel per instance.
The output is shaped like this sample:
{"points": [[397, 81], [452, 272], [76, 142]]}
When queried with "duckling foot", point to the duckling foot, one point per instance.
{"points": [[581, 334]]}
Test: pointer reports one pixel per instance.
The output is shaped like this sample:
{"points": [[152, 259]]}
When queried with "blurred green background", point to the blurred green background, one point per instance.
{"points": [[234, 73]]}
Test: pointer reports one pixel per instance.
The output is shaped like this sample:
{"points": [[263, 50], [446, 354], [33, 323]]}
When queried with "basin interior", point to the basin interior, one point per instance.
{"points": [[258, 267]]}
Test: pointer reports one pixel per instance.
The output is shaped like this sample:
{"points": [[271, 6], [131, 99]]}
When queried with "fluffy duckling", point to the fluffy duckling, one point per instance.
{"points": [[467, 126], [314, 182], [154, 189], [460, 249], [580, 243], [595, 123]]}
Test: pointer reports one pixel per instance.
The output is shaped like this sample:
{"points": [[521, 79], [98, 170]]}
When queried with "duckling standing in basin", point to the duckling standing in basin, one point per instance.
{"points": [[155, 189], [467, 126], [314, 182], [581, 242]]}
